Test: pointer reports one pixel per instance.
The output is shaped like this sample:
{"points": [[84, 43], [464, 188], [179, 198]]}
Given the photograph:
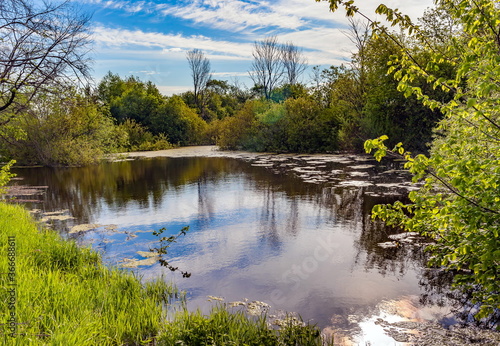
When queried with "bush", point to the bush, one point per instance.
{"points": [[309, 127], [140, 139], [178, 122], [70, 130]]}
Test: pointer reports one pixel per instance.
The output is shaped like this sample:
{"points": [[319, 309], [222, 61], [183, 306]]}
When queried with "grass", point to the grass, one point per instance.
{"points": [[61, 294], [224, 327], [64, 295]]}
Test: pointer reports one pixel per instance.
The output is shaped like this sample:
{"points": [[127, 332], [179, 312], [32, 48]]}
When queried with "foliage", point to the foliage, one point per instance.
{"points": [[309, 128], [223, 327], [5, 175], [129, 98], [145, 112], [298, 125], [234, 132], [458, 204], [140, 139], [165, 243], [180, 124], [68, 129]]}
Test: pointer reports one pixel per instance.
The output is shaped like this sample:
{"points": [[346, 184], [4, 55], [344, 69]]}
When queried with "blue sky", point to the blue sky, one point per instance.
{"points": [[149, 39]]}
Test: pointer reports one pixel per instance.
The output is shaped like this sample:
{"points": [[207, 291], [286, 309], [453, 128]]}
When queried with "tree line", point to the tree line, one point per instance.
{"points": [[47, 118]]}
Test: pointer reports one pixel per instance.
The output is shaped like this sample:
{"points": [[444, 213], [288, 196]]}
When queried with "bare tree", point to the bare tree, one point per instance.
{"points": [[42, 44], [359, 34], [200, 71], [267, 67], [293, 61]]}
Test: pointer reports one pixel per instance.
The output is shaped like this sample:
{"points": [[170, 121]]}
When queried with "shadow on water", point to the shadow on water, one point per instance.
{"points": [[258, 231]]}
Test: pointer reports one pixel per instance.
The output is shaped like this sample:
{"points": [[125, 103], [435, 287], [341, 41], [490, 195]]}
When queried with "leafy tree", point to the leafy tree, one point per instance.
{"points": [[310, 128], [68, 129], [237, 131], [178, 122], [339, 90], [5, 175], [130, 98], [140, 139], [386, 110], [459, 204]]}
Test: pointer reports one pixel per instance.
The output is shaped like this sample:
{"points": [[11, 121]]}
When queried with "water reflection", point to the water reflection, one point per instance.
{"points": [[254, 232]]}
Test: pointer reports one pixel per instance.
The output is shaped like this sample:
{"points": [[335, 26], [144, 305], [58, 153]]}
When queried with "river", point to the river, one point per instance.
{"points": [[293, 231]]}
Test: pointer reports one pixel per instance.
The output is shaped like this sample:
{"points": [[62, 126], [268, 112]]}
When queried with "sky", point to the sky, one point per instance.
{"points": [[149, 39]]}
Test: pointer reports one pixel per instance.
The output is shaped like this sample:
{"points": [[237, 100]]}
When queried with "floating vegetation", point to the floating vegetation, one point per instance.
{"points": [[84, 228], [60, 215], [359, 174], [388, 244], [113, 228], [403, 236], [361, 167], [146, 254], [210, 298], [355, 183], [134, 262]]}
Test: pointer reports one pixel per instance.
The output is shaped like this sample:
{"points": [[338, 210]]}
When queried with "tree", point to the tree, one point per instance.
{"points": [[200, 71], [178, 122], [61, 128], [458, 204], [41, 44], [386, 110], [130, 99], [267, 67], [293, 62]]}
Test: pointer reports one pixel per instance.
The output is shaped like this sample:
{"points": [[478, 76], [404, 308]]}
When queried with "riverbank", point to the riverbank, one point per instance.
{"points": [[56, 293]]}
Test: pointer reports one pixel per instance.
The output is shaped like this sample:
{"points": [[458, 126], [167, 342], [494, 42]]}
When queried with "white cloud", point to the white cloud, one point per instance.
{"points": [[169, 90], [234, 15], [307, 23], [171, 43], [230, 74], [145, 72]]}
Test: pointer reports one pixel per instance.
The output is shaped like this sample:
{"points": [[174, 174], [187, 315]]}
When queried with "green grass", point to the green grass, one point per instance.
{"points": [[64, 295], [223, 327]]}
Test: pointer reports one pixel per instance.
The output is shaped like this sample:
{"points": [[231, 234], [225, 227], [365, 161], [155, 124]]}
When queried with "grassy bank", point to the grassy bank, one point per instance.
{"points": [[56, 293], [62, 294]]}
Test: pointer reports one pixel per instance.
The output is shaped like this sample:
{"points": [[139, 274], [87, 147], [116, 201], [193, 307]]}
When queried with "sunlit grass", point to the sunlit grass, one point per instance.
{"points": [[224, 327], [66, 296]]}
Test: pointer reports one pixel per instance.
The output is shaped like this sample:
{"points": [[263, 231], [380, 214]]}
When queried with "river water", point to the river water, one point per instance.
{"points": [[292, 231]]}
